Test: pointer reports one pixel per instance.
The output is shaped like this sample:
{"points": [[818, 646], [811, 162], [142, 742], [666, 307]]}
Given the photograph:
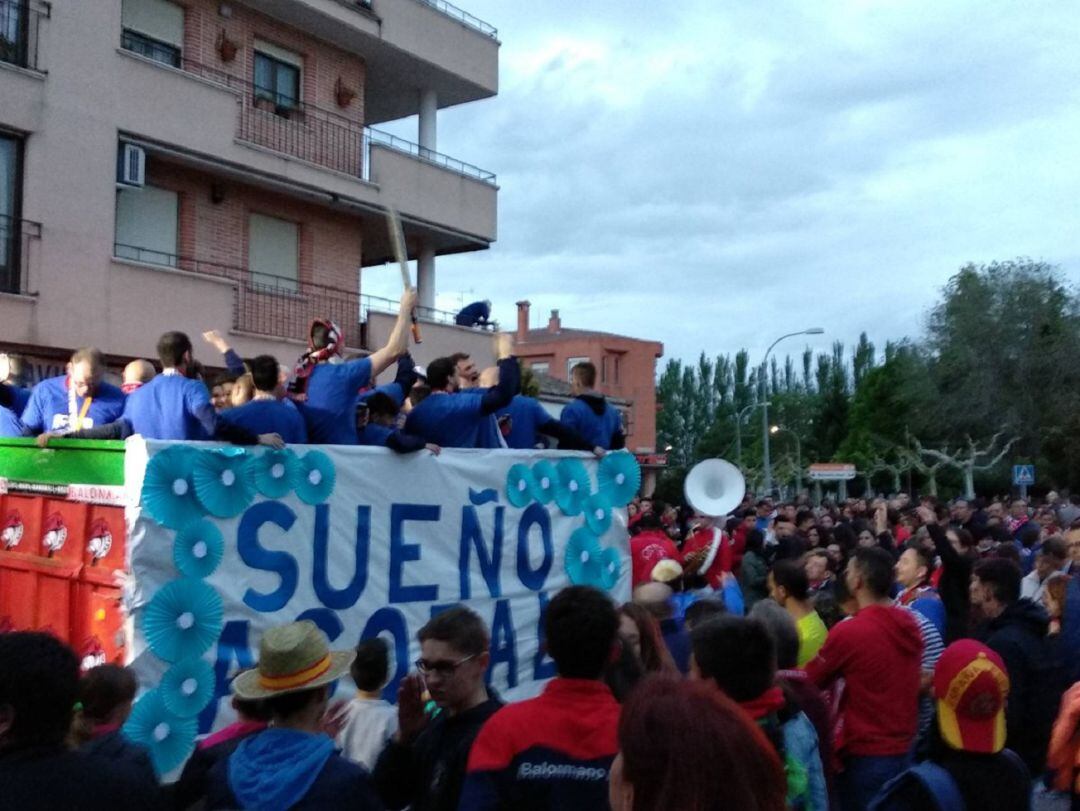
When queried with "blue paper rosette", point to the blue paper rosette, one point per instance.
{"points": [[584, 558], [182, 620], [547, 480], [275, 472], [619, 477], [169, 738], [224, 481], [573, 486], [187, 687], [198, 549], [168, 491], [610, 568], [520, 485], [315, 477], [597, 511]]}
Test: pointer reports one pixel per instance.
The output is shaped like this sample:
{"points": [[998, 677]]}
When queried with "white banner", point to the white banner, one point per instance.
{"points": [[226, 542]]}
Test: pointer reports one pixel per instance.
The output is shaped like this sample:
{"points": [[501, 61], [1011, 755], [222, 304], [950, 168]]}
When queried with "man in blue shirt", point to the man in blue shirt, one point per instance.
{"points": [[80, 399], [329, 389], [477, 314], [172, 406], [589, 414], [267, 413], [458, 420], [377, 425], [13, 397], [528, 420]]}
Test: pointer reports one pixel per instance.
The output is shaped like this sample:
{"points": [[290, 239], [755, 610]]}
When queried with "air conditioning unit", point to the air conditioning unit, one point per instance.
{"points": [[131, 166]]}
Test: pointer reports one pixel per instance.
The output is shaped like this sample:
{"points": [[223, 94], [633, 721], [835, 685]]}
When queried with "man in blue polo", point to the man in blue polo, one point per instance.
{"points": [[462, 420], [80, 399], [328, 388], [267, 412], [590, 414]]}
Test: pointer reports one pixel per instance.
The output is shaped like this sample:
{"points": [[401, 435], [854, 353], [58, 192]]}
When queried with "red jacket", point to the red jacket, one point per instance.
{"points": [[725, 555], [649, 548], [878, 652]]}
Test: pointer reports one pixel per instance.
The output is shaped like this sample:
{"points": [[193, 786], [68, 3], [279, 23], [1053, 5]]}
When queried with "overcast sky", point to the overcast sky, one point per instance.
{"points": [[713, 175]]}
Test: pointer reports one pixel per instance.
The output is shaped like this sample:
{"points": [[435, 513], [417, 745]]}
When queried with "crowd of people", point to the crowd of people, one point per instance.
{"points": [[882, 653], [324, 399], [876, 655]]}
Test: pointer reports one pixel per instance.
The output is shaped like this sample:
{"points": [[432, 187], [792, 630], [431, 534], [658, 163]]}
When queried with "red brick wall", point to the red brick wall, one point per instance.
{"points": [[329, 249], [331, 135], [323, 63], [637, 374]]}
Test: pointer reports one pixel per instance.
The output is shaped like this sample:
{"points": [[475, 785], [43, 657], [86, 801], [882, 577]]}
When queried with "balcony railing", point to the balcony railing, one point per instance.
{"points": [[20, 32], [264, 304], [18, 240], [307, 132], [386, 305], [461, 16]]}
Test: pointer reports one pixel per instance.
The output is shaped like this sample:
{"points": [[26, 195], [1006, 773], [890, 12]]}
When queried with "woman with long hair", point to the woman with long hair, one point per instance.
{"points": [[640, 634], [684, 745]]}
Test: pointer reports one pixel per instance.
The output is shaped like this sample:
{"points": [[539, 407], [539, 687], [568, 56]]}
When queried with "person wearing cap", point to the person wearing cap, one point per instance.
{"points": [[968, 765], [292, 764]]}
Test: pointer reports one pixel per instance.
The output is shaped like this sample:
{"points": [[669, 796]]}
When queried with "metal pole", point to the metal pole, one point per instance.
{"points": [[766, 466]]}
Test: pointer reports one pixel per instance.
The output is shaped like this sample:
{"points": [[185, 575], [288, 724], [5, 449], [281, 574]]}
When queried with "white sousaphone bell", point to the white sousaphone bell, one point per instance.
{"points": [[714, 487]]}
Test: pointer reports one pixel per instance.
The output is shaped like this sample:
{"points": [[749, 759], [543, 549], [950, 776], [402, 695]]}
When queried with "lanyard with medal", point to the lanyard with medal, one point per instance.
{"points": [[76, 415]]}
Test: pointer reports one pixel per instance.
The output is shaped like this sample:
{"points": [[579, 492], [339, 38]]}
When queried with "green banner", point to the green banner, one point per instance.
{"points": [[64, 462]]}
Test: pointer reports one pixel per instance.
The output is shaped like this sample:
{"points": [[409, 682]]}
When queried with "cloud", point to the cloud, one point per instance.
{"points": [[713, 175]]}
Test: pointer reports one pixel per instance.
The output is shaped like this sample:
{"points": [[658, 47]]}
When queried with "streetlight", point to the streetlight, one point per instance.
{"points": [[738, 432], [776, 429], [765, 406]]}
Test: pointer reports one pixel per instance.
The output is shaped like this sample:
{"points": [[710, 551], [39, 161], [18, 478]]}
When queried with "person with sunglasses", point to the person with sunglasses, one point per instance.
{"points": [[423, 766]]}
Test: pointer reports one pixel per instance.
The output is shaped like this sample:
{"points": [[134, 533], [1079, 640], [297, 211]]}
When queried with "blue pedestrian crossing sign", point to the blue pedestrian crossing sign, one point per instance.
{"points": [[1023, 475]]}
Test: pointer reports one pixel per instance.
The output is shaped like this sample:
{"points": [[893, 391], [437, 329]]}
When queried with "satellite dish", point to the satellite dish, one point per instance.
{"points": [[714, 487]]}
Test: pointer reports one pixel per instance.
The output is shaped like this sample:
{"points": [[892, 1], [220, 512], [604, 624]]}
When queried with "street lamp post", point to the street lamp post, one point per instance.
{"points": [[765, 406], [776, 429], [738, 432]]}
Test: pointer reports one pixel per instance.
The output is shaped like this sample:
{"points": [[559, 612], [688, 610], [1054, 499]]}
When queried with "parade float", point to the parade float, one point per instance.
{"points": [[175, 557]]}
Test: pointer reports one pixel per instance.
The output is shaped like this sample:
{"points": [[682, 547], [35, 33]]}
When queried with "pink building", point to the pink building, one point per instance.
{"points": [[198, 164]]}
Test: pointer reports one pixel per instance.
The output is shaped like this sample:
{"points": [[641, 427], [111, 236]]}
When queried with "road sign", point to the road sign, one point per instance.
{"points": [[1023, 475], [831, 472]]}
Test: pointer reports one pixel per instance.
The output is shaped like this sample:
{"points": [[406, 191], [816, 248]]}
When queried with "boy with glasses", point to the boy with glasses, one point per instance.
{"points": [[423, 766]]}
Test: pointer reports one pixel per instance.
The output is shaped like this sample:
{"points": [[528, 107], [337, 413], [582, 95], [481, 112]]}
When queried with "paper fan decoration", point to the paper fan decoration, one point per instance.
{"points": [[315, 477], [187, 687], [198, 549], [610, 568], [275, 472], [169, 488], [547, 479], [619, 477], [573, 486], [598, 513], [182, 620], [520, 486], [169, 738], [223, 482], [584, 558]]}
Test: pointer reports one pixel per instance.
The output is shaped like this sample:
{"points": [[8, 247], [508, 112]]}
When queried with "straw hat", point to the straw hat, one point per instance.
{"points": [[292, 658]]}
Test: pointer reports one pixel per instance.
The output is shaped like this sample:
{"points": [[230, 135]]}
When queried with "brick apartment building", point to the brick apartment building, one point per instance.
{"points": [[198, 164], [626, 368]]}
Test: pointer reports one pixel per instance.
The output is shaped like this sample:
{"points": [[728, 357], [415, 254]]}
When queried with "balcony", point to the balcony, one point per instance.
{"points": [[18, 252], [406, 44], [20, 32]]}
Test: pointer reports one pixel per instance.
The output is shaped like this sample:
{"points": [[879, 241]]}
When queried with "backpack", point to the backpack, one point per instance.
{"points": [[937, 781]]}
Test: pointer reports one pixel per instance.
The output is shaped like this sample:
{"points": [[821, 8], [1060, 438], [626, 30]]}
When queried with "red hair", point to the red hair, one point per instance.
{"points": [[685, 745], [655, 657]]}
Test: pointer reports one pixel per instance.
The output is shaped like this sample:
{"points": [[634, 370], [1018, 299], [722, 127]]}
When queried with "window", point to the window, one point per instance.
{"points": [[146, 225], [571, 363], [277, 77], [540, 368], [10, 227], [274, 253], [616, 365], [154, 29], [13, 33], [603, 369]]}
